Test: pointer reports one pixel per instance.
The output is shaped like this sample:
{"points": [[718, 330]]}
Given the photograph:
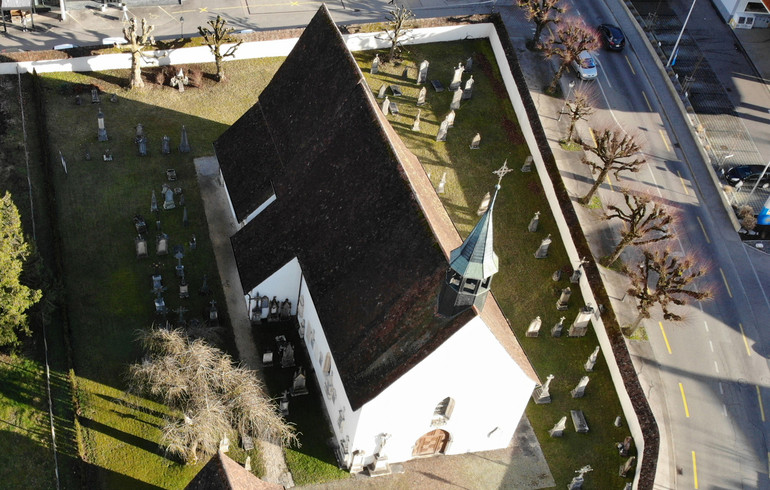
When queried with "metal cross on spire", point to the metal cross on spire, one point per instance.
{"points": [[500, 172]]}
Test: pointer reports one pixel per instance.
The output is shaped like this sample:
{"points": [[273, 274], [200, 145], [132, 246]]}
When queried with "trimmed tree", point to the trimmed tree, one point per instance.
{"points": [[215, 37], [673, 276], [644, 220], [399, 20], [541, 13], [578, 108], [136, 43], [210, 395], [15, 297], [571, 37], [612, 148]]}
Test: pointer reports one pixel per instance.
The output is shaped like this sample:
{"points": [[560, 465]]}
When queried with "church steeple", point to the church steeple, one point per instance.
{"points": [[472, 264]]}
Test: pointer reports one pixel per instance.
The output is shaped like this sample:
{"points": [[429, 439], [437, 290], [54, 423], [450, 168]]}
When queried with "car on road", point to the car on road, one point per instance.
{"points": [[612, 37], [585, 66], [746, 174]]}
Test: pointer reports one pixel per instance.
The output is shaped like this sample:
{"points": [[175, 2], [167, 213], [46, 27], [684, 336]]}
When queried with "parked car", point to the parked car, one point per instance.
{"points": [[746, 173], [585, 66], [612, 37]]}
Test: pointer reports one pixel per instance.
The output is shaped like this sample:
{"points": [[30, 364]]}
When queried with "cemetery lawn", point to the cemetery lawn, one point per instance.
{"points": [[523, 286]]}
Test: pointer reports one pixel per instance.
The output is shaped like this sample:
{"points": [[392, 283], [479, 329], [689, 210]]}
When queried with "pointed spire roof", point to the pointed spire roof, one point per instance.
{"points": [[476, 258]]}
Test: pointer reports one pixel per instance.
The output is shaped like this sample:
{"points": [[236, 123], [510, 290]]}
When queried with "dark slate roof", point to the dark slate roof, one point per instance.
{"points": [[354, 206], [222, 473]]}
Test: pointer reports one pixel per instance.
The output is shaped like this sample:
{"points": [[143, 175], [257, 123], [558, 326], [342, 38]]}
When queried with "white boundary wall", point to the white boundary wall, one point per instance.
{"points": [[367, 41]]}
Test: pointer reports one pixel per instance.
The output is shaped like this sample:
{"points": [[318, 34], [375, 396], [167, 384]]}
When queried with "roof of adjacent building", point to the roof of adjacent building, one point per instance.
{"points": [[354, 206], [222, 473]]}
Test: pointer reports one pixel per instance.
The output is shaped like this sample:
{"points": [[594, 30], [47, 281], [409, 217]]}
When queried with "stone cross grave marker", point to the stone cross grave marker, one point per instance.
{"points": [[563, 302], [556, 330], [179, 80], [468, 90], [541, 394], [577, 482], [591, 362]]}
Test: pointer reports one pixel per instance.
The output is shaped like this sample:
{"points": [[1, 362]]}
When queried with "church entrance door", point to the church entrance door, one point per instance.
{"points": [[434, 442]]}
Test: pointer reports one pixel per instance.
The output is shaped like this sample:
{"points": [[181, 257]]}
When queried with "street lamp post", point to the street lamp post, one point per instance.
{"points": [[764, 170], [569, 93], [676, 44], [181, 20], [725, 158]]}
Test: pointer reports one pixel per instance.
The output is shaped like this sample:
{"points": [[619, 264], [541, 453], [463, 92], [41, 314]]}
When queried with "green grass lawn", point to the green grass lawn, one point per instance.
{"points": [[108, 289]]}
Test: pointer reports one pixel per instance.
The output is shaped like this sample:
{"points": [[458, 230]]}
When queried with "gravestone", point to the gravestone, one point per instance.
{"points": [[580, 390], [542, 251], [579, 421], [393, 108], [247, 442], [179, 80], [375, 65], [556, 329], [77, 100], [532, 227], [556, 276], [618, 421], [180, 321], [437, 86], [469, 64], [457, 78], [274, 310], [450, 119], [381, 93], [193, 242], [153, 203], [161, 244], [541, 394], [476, 142], [140, 225], [527, 167], [184, 144], [165, 145], [385, 105], [405, 73], [580, 325], [299, 382], [213, 313], [95, 99], [224, 443], [458, 94], [102, 133], [157, 281], [267, 358], [301, 330], [160, 305], [114, 98], [468, 90], [442, 130], [416, 125], [558, 429], [421, 96], [107, 155], [168, 199], [184, 289], [591, 362], [396, 90], [577, 482], [442, 184], [204, 289], [626, 468], [422, 74], [287, 356], [484, 206], [143, 146], [534, 327], [283, 404], [575, 277], [141, 247], [285, 310], [563, 302], [139, 133], [185, 219], [624, 448], [171, 174]]}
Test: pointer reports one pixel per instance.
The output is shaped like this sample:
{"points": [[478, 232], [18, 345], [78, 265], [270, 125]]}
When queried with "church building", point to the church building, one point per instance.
{"points": [[409, 347]]}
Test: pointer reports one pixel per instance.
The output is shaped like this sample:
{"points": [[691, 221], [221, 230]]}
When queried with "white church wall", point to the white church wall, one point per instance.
{"points": [[284, 283], [489, 390]]}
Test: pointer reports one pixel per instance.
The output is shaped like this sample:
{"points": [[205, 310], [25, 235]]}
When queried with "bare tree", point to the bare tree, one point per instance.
{"points": [[612, 147], [580, 107], [215, 37], [571, 37], [398, 24], [136, 43], [674, 274], [542, 13], [645, 221], [214, 396]]}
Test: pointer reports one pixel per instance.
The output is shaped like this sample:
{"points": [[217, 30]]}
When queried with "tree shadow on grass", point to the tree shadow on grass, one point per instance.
{"points": [[130, 439]]}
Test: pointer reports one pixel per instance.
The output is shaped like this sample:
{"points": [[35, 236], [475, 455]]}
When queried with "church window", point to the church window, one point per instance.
{"points": [[443, 412], [470, 285]]}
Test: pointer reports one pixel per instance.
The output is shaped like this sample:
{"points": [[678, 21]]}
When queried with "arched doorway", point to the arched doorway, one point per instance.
{"points": [[434, 442]]}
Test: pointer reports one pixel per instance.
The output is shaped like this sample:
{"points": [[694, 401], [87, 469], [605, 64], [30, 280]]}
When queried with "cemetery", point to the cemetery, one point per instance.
{"points": [[136, 251]]}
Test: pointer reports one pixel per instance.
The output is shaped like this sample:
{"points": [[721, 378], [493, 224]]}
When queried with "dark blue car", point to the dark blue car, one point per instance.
{"points": [[612, 37]]}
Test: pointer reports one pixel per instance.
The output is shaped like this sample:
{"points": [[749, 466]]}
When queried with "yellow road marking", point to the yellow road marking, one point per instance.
{"points": [[745, 340], [593, 138], [647, 101], [668, 346], [203, 9], [206, 9], [631, 67], [725, 280], [682, 180], [703, 228], [610, 182], [665, 139], [694, 470], [684, 400], [761, 407], [166, 12]]}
